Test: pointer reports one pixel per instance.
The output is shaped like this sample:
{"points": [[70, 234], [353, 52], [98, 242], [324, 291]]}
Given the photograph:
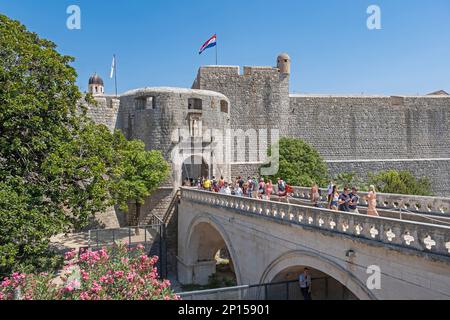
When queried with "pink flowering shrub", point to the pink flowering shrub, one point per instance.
{"points": [[28, 287], [96, 275]]}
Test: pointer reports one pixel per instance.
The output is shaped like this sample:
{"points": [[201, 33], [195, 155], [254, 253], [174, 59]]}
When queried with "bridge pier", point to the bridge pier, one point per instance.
{"points": [[195, 273]]}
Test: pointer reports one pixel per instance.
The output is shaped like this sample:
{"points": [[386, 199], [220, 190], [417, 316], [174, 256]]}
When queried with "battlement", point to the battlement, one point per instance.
{"points": [[259, 70], [231, 70], [236, 70]]}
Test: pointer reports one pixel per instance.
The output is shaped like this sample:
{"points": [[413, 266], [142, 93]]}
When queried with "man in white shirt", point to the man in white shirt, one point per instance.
{"points": [[238, 190], [305, 284], [225, 189]]}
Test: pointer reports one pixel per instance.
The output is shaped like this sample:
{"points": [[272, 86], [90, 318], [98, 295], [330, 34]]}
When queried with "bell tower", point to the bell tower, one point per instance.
{"points": [[96, 86]]}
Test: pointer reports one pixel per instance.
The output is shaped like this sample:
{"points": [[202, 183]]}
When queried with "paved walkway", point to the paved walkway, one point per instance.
{"points": [[106, 237]]}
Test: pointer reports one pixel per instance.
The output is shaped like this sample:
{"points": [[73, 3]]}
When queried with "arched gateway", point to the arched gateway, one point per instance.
{"points": [[194, 167]]}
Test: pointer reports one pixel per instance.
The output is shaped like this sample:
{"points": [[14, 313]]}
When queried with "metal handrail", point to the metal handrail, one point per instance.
{"points": [[263, 286]]}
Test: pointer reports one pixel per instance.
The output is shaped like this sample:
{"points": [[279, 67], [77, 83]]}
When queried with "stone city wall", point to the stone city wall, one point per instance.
{"points": [[105, 112]]}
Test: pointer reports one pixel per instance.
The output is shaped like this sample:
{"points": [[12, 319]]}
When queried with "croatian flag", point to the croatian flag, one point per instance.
{"points": [[208, 44]]}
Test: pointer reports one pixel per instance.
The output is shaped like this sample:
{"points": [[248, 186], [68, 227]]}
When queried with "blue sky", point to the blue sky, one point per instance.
{"points": [[332, 50]]}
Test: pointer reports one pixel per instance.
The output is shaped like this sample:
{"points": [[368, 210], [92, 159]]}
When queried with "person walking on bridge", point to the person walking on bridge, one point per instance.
{"points": [[314, 195], [334, 199], [207, 184], [269, 189], [281, 188], [330, 192], [250, 187], [354, 200], [371, 199], [344, 200]]}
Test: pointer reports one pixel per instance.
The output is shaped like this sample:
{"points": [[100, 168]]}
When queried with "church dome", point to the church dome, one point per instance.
{"points": [[96, 80]]}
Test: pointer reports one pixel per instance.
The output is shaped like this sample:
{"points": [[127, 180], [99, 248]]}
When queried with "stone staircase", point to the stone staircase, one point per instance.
{"points": [[163, 203], [156, 205]]}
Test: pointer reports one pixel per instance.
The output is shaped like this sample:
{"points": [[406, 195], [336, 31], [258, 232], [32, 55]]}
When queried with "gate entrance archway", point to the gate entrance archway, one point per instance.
{"points": [[194, 167]]}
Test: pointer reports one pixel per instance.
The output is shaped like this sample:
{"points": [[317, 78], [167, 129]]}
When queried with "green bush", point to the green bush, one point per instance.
{"points": [[391, 181], [400, 182]]}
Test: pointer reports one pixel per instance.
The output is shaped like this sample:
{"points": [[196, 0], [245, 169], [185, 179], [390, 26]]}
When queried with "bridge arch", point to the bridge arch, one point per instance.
{"points": [[319, 263], [204, 237]]}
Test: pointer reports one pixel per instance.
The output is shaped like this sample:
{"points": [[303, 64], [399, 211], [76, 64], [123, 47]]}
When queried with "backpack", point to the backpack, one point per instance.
{"points": [[289, 189]]}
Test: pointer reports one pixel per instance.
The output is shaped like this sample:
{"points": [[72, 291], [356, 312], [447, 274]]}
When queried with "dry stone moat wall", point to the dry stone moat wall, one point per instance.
{"points": [[359, 134]]}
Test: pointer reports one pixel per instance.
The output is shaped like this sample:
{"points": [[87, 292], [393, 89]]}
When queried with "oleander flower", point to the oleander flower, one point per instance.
{"points": [[119, 274]]}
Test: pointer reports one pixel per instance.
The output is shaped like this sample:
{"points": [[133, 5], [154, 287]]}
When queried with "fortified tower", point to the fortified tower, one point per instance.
{"points": [[285, 112], [284, 64], [260, 99]]}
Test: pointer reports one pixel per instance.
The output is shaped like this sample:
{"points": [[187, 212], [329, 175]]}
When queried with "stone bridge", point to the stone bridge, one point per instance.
{"points": [[271, 241]]}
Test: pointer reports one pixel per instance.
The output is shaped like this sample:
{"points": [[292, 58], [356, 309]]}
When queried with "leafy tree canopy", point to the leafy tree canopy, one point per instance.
{"points": [[300, 163], [57, 168], [138, 172]]}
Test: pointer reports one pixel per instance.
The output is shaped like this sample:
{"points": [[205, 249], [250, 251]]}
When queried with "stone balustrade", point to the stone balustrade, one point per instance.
{"points": [[418, 236], [417, 204]]}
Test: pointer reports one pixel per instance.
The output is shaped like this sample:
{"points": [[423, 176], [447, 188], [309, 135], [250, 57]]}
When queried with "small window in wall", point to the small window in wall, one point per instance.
{"points": [[223, 106], [145, 103], [194, 103], [150, 103], [140, 103]]}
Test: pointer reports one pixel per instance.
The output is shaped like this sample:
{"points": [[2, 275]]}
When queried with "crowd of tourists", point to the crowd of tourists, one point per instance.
{"points": [[259, 188], [346, 200], [252, 187]]}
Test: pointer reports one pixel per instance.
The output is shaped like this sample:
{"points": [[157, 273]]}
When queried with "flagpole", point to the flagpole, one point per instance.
{"points": [[216, 48], [115, 73]]}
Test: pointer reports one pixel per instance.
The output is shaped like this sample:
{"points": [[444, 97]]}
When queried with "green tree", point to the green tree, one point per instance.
{"points": [[400, 182], [57, 168], [39, 121], [78, 173], [300, 164], [137, 175]]}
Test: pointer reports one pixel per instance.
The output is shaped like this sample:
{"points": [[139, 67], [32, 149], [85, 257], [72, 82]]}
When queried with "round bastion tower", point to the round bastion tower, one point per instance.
{"points": [[284, 63], [284, 112], [96, 86]]}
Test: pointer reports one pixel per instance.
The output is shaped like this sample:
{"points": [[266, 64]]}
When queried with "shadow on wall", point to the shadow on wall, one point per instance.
{"points": [[323, 287]]}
